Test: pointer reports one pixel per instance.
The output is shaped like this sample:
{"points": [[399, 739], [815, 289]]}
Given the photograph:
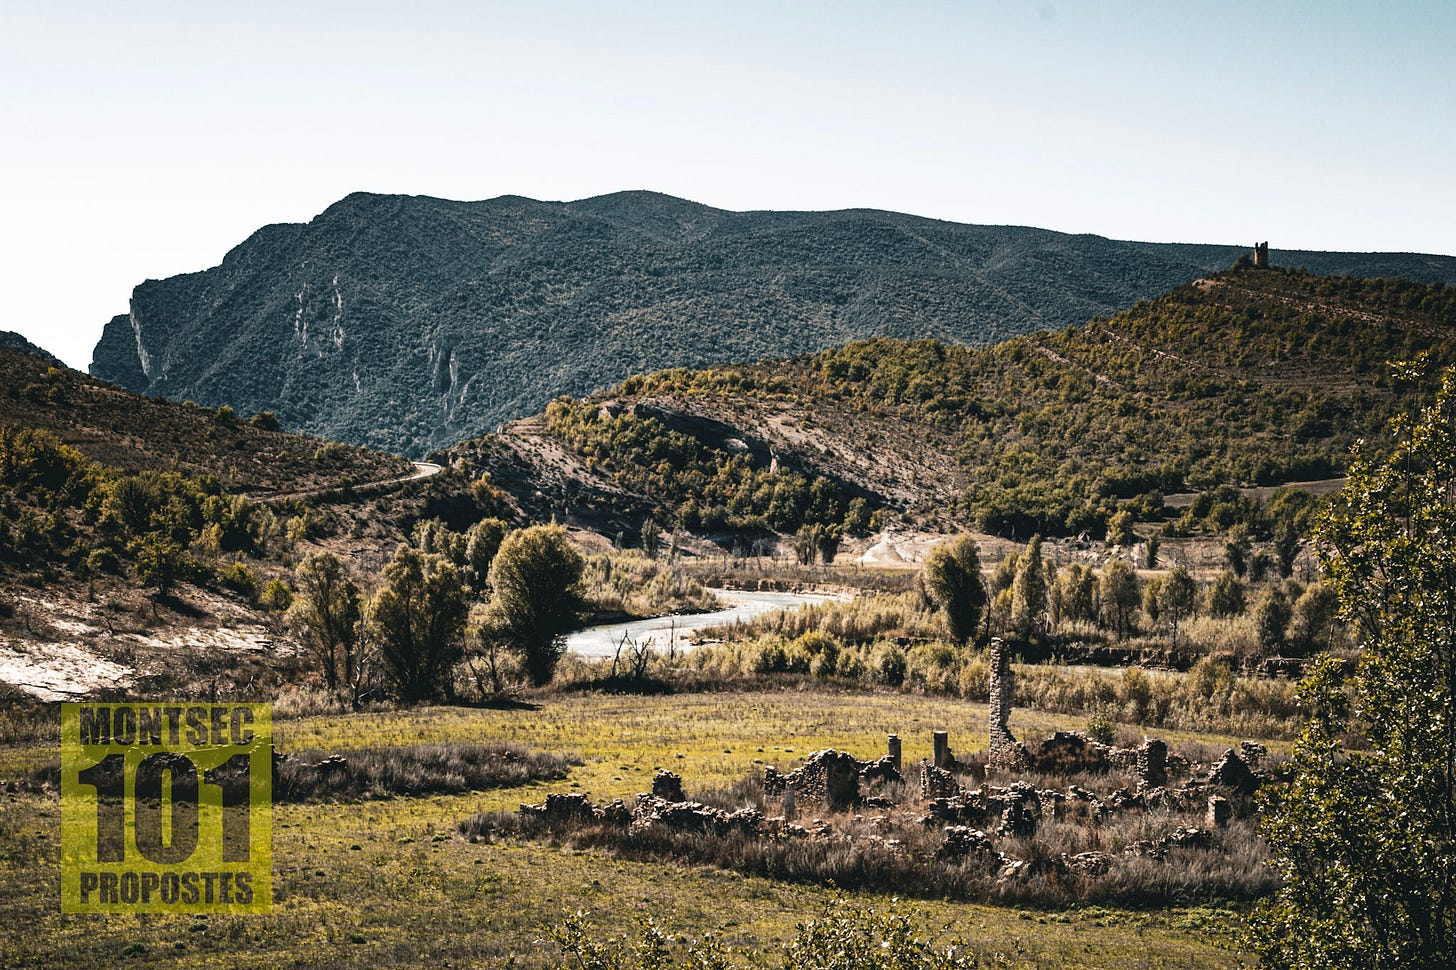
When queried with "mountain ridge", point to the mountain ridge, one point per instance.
{"points": [[409, 322]]}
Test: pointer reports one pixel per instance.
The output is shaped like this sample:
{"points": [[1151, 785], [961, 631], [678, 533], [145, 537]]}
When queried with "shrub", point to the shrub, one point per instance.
{"points": [[276, 596], [237, 577], [889, 664]]}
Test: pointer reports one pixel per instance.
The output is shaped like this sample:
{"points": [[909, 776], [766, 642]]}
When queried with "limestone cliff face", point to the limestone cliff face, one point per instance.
{"points": [[407, 323]]}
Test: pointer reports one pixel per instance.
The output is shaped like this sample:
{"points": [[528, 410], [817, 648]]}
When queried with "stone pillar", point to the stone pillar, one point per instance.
{"points": [[892, 746], [1152, 761], [1003, 752], [1218, 812], [941, 740], [1003, 691], [789, 808]]}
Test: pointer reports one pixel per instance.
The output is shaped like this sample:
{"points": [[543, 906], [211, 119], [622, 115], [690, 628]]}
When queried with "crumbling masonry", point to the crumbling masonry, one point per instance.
{"points": [[1004, 752]]}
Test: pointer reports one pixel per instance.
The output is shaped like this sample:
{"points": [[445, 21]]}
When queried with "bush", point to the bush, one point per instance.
{"points": [[276, 596], [889, 664], [237, 577]]}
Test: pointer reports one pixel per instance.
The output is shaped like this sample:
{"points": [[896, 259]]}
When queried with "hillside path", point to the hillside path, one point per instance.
{"points": [[422, 469]]}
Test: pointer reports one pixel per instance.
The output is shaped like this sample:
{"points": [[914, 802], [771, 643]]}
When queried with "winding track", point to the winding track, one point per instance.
{"points": [[423, 469]]}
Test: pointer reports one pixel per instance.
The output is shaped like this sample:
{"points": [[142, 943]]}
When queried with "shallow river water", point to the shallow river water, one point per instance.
{"points": [[602, 641]]}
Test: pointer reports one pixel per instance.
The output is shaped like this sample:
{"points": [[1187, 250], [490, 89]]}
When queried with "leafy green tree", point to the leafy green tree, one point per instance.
{"points": [[1287, 543], [1236, 547], [1119, 528], [1119, 596], [1153, 600], [1074, 595], [1312, 625], [951, 579], [482, 542], [160, 563], [536, 577], [1177, 599], [1226, 596], [1363, 838], [1271, 619], [651, 536], [328, 612], [1029, 592], [276, 597], [1154, 544], [416, 619]]}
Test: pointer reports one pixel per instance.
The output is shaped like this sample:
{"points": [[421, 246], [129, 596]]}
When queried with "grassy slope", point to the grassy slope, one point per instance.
{"points": [[411, 900], [1246, 378], [133, 433]]}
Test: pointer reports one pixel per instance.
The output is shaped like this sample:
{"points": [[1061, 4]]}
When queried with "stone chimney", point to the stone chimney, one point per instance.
{"points": [[1003, 750], [1261, 255]]}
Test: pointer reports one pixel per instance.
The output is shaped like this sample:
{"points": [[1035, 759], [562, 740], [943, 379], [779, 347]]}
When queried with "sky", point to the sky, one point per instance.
{"points": [[145, 139]]}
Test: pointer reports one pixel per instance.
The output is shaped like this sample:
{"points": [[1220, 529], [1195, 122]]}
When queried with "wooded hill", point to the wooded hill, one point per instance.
{"points": [[409, 323], [1255, 377], [130, 433]]}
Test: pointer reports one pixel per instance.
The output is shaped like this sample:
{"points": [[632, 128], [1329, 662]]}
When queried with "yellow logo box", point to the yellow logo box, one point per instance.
{"points": [[166, 808]]}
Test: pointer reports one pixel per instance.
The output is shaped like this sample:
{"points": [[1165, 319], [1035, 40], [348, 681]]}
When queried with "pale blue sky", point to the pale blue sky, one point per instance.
{"points": [[146, 139]]}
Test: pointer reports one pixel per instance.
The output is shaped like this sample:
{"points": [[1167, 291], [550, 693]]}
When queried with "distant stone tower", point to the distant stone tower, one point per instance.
{"points": [[1261, 255]]}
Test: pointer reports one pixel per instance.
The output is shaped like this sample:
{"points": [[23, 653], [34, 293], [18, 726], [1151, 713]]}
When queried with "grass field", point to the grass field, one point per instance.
{"points": [[390, 883]]}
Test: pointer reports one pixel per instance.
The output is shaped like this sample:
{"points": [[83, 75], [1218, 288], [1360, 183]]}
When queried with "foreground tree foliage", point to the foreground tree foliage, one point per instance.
{"points": [[536, 576], [1365, 839], [951, 578]]}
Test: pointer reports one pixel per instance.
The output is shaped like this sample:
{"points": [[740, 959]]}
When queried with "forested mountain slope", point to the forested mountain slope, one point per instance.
{"points": [[407, 323], [1243, 378]]}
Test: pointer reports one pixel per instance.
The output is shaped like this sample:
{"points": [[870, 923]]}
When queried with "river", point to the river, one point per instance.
{"points": [[602, 641]]}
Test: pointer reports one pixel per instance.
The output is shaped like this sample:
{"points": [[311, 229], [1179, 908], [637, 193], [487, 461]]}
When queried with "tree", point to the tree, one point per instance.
{"points": [[1236, 548], [1363, 838], [1226, 598], [1271, 619], [1119, 596], [1073, 596], [1029, 592], [482, 542], [416, 619], [1119, 528], [951, 579], [651, 534], [1313, 623], [160, 562], [1286, 546], [536, 576], [327, 611], [1176, 599]]}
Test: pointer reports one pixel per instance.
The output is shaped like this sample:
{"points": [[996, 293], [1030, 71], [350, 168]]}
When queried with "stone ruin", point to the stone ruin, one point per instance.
{"points": [[1004, 752], [667, 785], [1231, 771], [832, 779], [969, 818]]}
